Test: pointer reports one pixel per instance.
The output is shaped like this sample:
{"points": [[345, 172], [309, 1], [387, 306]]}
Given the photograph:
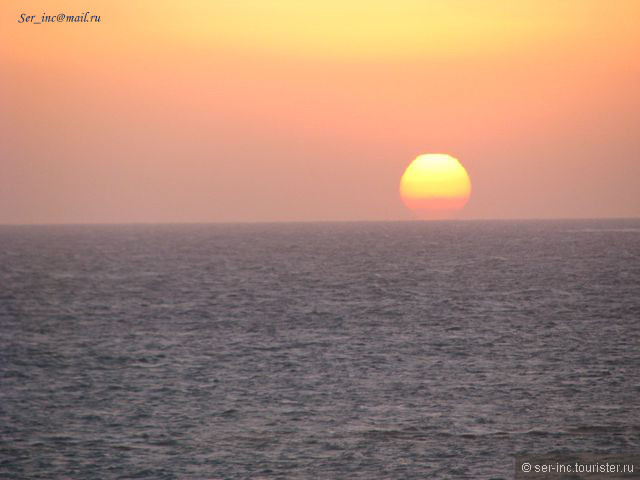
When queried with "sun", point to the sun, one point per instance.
{"points": [[435, 186]]}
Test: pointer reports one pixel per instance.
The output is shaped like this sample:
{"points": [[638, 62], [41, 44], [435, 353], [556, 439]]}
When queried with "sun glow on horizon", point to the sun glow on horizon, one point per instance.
{"points": [[435, 186]]}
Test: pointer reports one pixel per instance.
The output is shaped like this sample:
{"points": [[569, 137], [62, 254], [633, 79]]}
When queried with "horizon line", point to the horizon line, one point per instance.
{"points": [[285, 222]]}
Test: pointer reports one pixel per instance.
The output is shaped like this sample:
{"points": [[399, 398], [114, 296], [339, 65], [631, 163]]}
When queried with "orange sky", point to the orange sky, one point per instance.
{"points": [[275, 110]]}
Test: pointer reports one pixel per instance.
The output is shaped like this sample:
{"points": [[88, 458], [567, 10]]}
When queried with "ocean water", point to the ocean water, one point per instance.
{"points": [[303, 351]]}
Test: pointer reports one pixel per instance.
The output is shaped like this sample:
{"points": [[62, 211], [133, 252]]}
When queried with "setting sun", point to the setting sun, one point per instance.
{"points": [[435, 185]]}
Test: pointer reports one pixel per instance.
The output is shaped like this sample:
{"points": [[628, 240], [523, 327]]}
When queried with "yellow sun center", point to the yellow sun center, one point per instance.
{"points": [[435, 185]]}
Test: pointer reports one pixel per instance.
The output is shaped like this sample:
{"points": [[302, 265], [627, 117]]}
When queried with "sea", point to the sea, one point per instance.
{"points": [[397, 350]]}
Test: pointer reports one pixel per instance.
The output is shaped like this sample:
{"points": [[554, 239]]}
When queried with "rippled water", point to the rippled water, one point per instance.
{"points": [[382, 350]]}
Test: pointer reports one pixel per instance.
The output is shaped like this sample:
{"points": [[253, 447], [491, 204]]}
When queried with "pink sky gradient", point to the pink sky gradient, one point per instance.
{"points": [[210, 111]]}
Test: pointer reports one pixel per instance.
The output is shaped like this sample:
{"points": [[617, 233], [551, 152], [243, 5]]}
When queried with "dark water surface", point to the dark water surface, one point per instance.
{"points": [[381, 350]]}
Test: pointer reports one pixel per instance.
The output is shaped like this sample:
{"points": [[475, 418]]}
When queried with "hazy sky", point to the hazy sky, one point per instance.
{"points": [[270, 110]]}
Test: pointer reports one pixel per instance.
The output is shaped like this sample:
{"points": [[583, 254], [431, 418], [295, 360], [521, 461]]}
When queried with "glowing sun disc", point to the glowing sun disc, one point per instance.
{"points": [[435, 185]]}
